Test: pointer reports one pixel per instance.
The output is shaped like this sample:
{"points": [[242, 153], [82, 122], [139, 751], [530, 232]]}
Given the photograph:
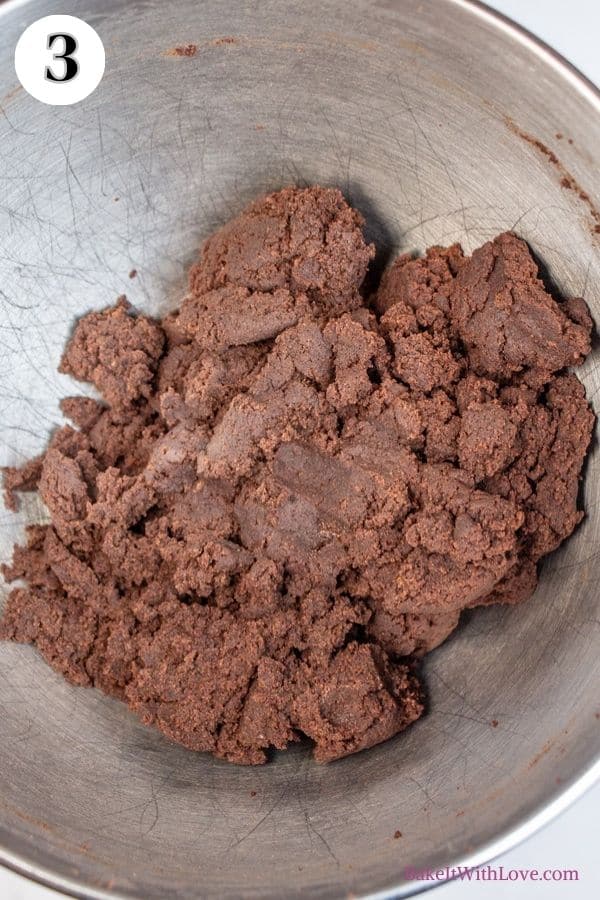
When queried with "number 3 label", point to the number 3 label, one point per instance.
{"points": [[59, 60], [71, 65]]}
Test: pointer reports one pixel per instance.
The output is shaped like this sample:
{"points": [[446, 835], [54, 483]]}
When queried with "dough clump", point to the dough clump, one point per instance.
{"points": [[291, 491]]}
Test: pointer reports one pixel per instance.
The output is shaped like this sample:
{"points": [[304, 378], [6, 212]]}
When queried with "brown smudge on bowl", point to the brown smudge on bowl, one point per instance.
{"points": [[567, 180], [182, 50]]}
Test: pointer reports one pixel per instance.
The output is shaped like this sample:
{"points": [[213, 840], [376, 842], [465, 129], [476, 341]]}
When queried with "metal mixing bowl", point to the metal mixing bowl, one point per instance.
{"points": [[418, 111]]}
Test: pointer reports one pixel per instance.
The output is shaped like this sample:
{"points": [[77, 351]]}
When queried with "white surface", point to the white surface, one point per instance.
{"points": [[571, 841]]}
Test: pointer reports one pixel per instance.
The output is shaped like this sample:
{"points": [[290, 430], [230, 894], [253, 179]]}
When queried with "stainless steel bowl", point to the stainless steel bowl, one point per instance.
{"points": [[420, 112]]}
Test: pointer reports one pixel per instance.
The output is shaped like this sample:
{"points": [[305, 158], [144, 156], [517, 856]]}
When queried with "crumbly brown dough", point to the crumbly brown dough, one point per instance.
{"points": [[291, 493]]}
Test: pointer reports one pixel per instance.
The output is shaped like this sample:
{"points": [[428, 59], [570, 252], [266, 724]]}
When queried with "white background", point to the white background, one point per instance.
{"points": [[571, 841]]}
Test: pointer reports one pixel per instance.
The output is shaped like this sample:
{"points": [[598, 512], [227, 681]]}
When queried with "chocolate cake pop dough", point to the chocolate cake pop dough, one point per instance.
{"points": [[291, 491]]}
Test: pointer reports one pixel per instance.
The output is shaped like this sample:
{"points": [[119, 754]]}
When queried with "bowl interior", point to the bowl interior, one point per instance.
{"points": [[420, 113]]}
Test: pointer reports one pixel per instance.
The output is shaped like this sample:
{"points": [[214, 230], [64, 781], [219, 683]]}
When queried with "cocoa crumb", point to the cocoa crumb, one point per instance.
{"points": [[183, 50]]}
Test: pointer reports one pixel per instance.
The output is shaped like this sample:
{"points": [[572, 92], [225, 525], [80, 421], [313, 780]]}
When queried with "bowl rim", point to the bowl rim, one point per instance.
{"points": [[511, 836]]}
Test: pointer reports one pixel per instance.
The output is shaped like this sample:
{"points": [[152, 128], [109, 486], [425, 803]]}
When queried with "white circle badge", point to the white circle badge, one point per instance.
{"points": [[59, 60]]}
